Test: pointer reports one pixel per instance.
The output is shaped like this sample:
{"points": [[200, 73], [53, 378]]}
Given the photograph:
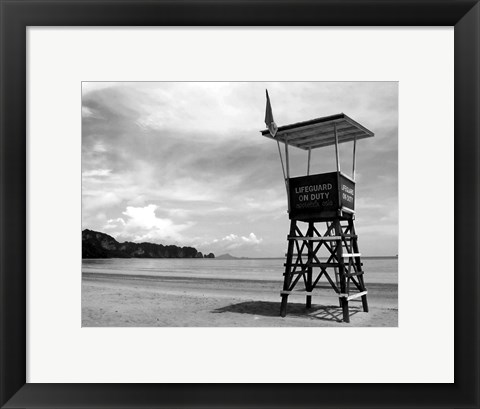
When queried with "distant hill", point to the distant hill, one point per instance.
{"points": [[230, 257], [100, 245], [226, 257]]}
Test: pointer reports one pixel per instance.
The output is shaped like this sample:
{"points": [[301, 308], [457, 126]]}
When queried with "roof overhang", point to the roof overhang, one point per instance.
{"points": [[318, 133]]}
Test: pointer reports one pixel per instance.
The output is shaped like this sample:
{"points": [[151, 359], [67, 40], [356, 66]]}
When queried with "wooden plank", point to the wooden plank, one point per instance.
{"points": [[314, 238], [357, 295], [319, 135], [325, 141], [320, 126], [353, 296], [317, 129], [330, 141], [347, 210], [316, 264], [325, 265], [346, 255], [312, 123], [305, 255], [315, 138], [357, 273]]}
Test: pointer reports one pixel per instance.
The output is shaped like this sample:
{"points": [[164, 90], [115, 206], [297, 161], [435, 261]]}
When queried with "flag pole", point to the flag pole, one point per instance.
{"points": [[281, 159], [287, 180], [283, 167], [272, 128]]}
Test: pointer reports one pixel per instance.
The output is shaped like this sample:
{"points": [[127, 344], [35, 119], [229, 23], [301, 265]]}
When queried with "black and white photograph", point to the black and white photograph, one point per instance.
{"points": [[239, 204]]}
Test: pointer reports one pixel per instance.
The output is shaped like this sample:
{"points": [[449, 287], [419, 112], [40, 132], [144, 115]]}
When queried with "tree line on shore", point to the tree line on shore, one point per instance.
{"points": [[100, 245]]}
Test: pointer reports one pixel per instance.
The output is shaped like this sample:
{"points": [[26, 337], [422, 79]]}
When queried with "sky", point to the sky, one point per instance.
{"points": [[185, 163]]}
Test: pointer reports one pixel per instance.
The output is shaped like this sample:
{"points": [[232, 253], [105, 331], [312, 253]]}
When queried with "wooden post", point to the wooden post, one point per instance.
{"points": [[288, 267], [308, 165], [358, 264], [336, 146], [309, 286], [341, 271], [354, 156], [335, 269]]}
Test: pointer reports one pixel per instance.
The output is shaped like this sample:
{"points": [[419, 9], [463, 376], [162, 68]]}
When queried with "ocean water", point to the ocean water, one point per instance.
{"points": [[383, 270]]}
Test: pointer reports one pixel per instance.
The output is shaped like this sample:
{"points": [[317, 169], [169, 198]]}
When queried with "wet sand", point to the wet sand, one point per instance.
{"points": [[117, 300]]}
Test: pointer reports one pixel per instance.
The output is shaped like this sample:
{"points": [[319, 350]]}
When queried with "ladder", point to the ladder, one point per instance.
{"points": [[303, 258]]}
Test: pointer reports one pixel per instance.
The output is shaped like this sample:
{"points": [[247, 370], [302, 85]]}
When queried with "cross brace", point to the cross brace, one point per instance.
{"points": [[341, 254]]}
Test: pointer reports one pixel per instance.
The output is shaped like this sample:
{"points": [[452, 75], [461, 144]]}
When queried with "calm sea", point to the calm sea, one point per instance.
{"points": [[383, 270]]}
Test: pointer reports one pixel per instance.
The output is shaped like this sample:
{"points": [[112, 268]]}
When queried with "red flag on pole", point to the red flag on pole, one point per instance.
{"points": [[271, 125]]}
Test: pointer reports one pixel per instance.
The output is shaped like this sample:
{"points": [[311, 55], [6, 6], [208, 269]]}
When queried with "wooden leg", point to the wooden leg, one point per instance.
{"points": [[358, 264], [346, 315], [341, 271], [288, 269], [283, 307], [309, 301], [309, 269], [364, 303], [364, 297]]}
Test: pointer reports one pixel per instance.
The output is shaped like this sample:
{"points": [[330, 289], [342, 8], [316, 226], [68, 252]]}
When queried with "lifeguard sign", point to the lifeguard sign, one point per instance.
{"points": [[326, 197], [320, 196]]}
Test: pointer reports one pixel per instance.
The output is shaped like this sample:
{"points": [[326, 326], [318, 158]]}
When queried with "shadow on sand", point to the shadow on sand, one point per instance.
{"points": [[272, 309]]}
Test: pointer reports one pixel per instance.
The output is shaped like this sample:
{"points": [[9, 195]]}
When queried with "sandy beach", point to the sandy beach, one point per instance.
{"points": [[117, 300]]}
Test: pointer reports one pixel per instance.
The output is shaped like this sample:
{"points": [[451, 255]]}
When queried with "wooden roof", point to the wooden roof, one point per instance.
{"points": [[318, 133]]}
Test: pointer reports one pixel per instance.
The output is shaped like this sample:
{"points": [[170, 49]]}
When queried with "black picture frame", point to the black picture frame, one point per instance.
{"points": [[16, 15]]}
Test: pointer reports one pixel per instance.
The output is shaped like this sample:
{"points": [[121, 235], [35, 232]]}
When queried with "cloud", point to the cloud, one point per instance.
{"points": [[87, 112], [235, 242], [99, 147], [142, 224], [97, 173], [93, 200], [113, 223]]}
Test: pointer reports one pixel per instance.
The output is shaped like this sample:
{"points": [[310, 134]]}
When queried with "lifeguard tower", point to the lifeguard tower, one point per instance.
{"points": [[323, 203]]}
